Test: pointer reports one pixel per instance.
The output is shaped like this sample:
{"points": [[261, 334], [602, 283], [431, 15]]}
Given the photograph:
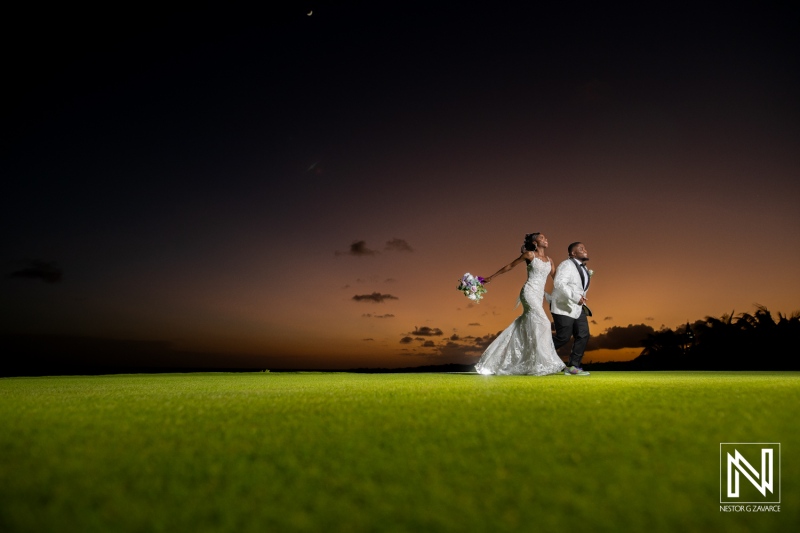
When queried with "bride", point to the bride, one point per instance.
{"points": [[526, 346]]}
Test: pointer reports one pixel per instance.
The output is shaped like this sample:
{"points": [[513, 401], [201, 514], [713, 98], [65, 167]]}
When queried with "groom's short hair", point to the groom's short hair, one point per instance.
{"points": [[572, 247]]}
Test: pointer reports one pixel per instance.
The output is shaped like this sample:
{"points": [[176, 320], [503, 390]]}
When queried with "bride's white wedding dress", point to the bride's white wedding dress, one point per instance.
{"points": [[526, 346]]}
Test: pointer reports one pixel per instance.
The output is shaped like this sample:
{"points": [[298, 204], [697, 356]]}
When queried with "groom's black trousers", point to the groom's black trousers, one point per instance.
{"points": [[567, 327]]}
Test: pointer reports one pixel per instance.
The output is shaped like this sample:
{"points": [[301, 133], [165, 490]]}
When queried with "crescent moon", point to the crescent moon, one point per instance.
{"points": [[310, 13]]}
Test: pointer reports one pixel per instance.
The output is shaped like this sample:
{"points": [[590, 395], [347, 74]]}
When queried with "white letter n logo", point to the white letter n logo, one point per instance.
{"points": [[737, 464]]}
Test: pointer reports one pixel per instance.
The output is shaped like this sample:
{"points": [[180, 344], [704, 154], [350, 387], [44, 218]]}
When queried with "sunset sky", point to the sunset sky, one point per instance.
{"points": [[268, 188]]}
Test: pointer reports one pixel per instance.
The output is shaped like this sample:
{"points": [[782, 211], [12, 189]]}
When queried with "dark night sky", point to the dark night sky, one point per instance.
{"points": [[196, 175]]}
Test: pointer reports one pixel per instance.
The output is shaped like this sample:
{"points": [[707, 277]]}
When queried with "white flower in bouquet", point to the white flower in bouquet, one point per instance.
{"points": [[472, 287]]}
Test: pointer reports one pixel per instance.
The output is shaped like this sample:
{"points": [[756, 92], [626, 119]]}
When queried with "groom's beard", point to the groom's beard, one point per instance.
{"points": [[584, 260]]}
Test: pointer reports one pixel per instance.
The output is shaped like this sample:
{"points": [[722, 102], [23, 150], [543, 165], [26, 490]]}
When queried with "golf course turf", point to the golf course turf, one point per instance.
{"points": [[615, 451]]}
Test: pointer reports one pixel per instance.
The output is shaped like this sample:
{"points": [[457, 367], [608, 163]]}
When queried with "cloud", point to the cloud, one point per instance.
{"points": [[485, 341], [650, 318], [593, 321], [358, 249], [425, 331], [462, 352], [630, 336], [45, 271], [370, 315], [474, 324], [454, 349], [389, 280], [398, 245], [370, 339], [609, 318], [375, 297]]}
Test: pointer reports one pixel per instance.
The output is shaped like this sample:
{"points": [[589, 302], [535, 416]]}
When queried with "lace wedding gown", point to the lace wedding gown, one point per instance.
{"points": [[526, 346]]}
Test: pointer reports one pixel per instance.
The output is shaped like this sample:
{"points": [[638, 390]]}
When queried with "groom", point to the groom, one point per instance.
{"points": [[568, 306]]}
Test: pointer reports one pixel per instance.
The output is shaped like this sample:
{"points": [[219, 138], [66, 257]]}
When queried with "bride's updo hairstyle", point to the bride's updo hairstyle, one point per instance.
{"points": [[530, 243]]}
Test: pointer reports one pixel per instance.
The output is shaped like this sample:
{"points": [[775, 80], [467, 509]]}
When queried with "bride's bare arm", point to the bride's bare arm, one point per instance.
{"points": [[512, 264]]}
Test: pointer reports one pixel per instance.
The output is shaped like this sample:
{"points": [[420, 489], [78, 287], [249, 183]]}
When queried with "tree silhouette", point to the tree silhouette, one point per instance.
{"points": [[747, 341]]}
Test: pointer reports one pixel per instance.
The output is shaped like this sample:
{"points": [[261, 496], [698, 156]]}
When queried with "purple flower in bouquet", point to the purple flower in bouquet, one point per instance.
{"points": [[472, 287]]}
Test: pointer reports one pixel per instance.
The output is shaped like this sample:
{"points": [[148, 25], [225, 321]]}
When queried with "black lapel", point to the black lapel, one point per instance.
{"points": [[580, 271]]}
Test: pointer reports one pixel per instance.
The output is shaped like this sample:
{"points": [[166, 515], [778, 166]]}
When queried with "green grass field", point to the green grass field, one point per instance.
{"points": [[392, 452]]}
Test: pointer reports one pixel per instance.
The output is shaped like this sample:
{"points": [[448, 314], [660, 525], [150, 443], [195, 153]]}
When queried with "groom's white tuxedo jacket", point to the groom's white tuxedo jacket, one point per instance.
{"points": [[568, 288]]}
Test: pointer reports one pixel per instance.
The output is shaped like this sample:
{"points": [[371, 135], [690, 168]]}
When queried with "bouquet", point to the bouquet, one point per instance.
{"points": [[472, 287]]}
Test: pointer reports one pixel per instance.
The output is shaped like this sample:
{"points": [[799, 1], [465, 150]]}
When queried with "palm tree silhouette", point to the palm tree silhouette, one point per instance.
{"points": [[747, 341]]}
